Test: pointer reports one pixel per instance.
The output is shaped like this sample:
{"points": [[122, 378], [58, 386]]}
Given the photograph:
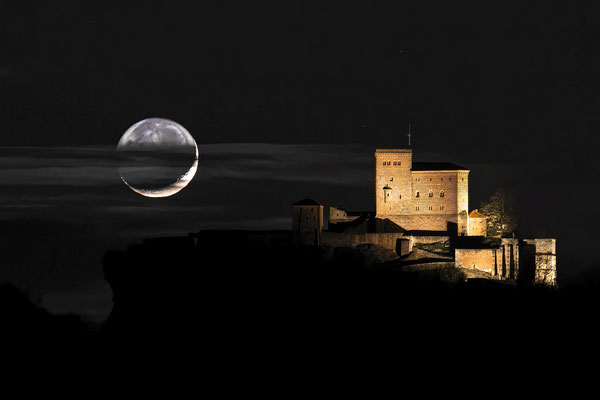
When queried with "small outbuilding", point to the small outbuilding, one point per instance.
{"points": [[307, 216], [477, 224]]}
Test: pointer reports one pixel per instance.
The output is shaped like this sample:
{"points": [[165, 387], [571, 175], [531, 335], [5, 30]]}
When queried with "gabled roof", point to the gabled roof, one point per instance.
{"points": [[476, 214], [436, 166], [306, 202]]}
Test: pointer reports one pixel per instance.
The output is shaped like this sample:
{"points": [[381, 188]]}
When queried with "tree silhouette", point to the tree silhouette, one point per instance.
{"points": [[501, 217]]}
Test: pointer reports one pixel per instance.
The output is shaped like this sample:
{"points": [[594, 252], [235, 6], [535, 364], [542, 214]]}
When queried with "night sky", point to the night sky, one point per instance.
{"points": [[285, 100]]}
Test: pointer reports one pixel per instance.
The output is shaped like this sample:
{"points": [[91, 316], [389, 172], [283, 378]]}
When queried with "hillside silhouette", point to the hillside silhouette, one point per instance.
{"points": [[225, 289]]}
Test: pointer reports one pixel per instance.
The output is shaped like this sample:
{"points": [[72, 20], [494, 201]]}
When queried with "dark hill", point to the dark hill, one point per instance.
{"points": [[238, 295]]}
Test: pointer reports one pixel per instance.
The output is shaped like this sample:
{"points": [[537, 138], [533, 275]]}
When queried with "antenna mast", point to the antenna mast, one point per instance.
{"points": [[409, 135]]}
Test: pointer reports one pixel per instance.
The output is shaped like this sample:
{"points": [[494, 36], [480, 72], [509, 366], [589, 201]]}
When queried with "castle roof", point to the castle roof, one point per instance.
{"points": [[436, 166], [393, 151], [306, 202], [476, 214]]}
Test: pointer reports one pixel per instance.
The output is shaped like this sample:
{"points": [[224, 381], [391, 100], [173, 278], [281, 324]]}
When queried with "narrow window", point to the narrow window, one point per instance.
{"points": [[442, 179], [394, 162], [417, 194], [391, 179], [442, 193], [384, 163], [430, 179], [430, 193], [399, 163], [430, 208], [400, 196]]}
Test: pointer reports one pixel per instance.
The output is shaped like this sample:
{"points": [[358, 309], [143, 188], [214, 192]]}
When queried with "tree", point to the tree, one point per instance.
{"points": [[501, 217]]}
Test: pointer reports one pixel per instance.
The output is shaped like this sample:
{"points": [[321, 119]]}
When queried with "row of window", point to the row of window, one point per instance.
{"points": [[441, 179], [390, 163], [431, 179], [417, 194], [430, 208]]}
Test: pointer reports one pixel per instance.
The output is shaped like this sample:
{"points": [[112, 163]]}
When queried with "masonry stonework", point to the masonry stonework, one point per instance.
{"points": [[479, 259], [421, 196], [414, 197]]}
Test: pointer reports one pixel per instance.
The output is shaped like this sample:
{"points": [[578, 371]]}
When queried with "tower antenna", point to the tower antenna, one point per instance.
{"points": [[409, 134]]}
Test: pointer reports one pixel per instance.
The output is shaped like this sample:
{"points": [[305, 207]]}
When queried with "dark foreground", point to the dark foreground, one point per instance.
{"points": [[226, 297]]}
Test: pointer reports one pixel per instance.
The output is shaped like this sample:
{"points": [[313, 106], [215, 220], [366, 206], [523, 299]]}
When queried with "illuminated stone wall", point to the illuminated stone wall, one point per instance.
{"points": [[477, 226], [545, 261], [396, 176], [419, 200], [479, 259]]}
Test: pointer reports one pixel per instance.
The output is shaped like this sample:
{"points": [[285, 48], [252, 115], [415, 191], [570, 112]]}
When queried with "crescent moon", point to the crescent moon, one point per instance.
{"points": [[171, 189]]}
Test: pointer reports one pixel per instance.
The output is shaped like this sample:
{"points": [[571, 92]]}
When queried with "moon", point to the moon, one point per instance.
{"points": [[158, 157]]}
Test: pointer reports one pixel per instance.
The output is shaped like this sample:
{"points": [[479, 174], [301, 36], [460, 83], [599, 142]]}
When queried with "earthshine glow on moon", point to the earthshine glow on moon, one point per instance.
{"points": [[161, 157]]}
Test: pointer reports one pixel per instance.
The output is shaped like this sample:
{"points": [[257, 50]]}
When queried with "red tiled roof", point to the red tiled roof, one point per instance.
{"points": [[476, 214]]}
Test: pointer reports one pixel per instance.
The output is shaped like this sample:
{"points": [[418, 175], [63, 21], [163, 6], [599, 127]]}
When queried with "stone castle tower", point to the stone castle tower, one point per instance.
{"points": [[421, 196]]}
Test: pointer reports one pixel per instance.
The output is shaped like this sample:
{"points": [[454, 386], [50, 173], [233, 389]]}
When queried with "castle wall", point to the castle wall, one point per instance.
{"points": [[436, 182], [510, 249], [387, 240], [545, 260], [307, 218], [429, 239], [396, 176], [439, 222], [337, 216], [480, 259], [477, 226], [419, 200]]}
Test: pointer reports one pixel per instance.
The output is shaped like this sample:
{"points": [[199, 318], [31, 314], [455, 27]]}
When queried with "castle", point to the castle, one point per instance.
{"points": [[422, 211], [421, 196]]}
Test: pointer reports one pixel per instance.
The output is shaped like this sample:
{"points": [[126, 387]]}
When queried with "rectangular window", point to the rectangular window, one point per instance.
{"points": [[394, 162], [417, 194]]}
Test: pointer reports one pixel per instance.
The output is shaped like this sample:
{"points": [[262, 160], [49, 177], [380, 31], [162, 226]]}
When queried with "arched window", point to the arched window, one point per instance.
{"points": [[430, 193], [442, 193]]}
